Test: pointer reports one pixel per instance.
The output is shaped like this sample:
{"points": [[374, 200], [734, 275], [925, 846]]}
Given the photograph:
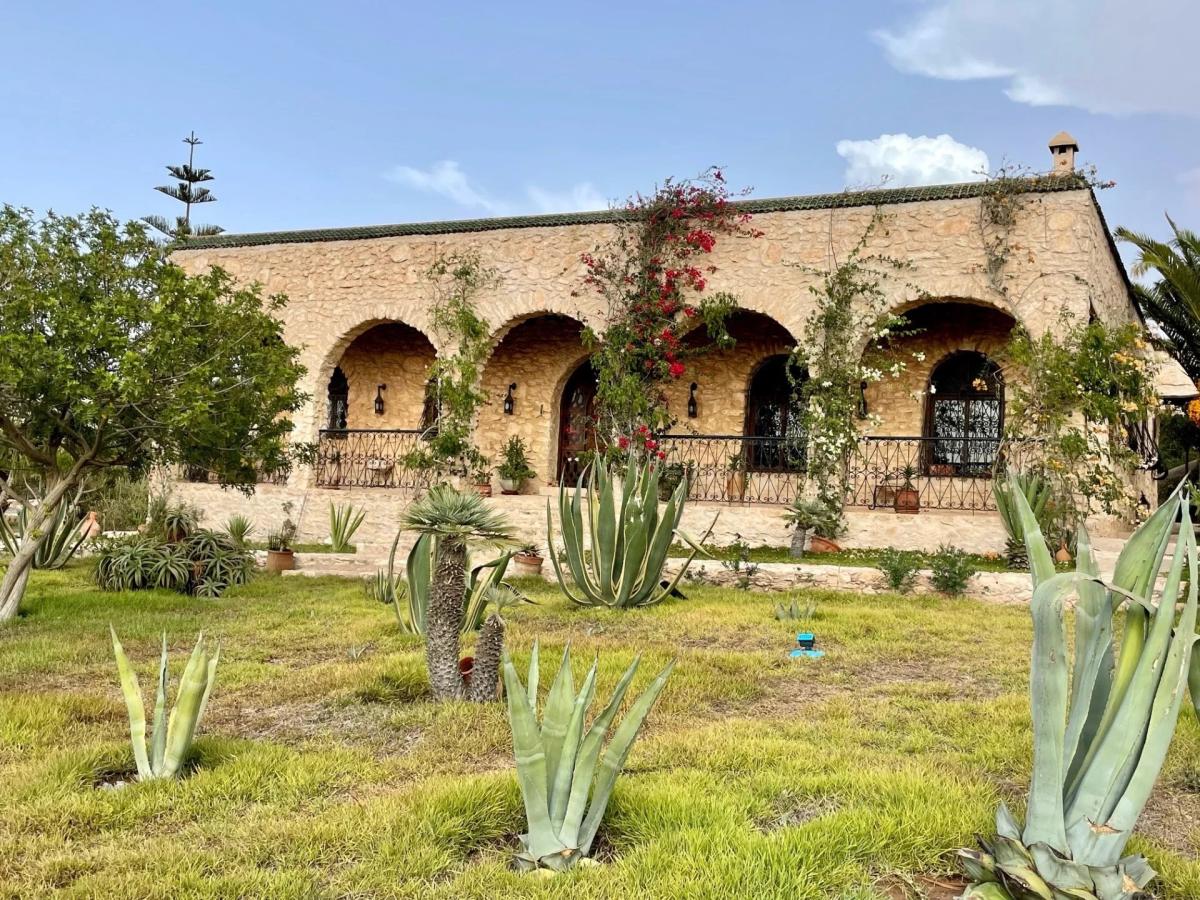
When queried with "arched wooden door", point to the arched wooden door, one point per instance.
{"points": [[577, 423]]}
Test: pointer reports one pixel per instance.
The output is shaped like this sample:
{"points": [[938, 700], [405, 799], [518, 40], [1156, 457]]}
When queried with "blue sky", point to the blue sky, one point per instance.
{"points": [[324, 114]]}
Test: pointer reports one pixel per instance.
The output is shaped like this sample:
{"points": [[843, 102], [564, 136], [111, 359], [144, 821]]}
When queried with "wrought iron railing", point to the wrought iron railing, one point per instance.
{"points": [[734, 468], [359, 457]]}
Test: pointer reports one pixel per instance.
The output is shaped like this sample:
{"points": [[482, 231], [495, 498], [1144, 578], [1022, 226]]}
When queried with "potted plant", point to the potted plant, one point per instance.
{"points": [[528, 560], [818, 517], [515, 470], [481, 475], [908, 498], [735, 483], [280, 556]]}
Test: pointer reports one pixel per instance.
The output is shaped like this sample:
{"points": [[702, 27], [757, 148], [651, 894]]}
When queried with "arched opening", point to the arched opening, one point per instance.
{"points": [[577, 422], [379, 382], [775, 417], [964, 415]]}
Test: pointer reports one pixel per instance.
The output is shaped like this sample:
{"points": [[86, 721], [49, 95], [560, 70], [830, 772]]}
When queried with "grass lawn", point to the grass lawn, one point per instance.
{"points": [[866, 557], [322, 771]]}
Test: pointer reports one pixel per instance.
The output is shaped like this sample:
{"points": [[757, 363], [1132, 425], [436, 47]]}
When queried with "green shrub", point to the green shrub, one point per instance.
{"points": [[952, 570], [899, 568], [204, 564], [120, 501]]}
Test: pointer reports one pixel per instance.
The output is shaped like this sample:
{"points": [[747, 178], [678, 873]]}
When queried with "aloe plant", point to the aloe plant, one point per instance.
{"points": [[344, 520], [170, 739], [64, 535], [1036, 491], [621, 561], [410, 596], [1101, 731], [560, 766]]}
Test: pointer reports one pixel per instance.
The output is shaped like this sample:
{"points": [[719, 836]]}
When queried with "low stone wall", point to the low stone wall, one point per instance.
{"points": [[757, 525]]}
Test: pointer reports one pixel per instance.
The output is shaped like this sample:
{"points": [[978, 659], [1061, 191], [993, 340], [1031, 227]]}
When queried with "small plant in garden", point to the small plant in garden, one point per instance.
{"points": [[1037, 493], [951, 570], [170, 739], [284, 536], [812, 514], [453, 517], [621, 563], [239, 528], [344, 520], [514, 469], [176, 521], [565, 773], [1100, 731], [791, 612], [738, 562], [205, 564], [899, 568], [62, 535]]}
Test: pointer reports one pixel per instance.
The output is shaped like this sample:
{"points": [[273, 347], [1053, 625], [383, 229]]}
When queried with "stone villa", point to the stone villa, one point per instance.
{"points": [[357, 308]]}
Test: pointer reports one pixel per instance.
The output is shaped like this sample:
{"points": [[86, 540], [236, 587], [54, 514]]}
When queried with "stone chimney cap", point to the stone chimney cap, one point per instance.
{"points": [[1062, 139]]}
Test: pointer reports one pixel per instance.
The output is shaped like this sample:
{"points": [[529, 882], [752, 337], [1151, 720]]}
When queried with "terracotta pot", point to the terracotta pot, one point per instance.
{"points": [[466, 666], [510, 486], [281, 560], [908, 501], [483, 488], [941, 470], [735, 486], [528, 564], [1062, 554], [818, 544], [91, 526]]}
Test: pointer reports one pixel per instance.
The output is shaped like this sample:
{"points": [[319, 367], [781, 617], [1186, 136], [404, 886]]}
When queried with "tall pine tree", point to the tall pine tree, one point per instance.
{"points": [[188, 192]]}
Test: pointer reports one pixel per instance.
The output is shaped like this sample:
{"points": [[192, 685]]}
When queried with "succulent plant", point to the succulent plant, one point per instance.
{"points": [[1036, 491], [344, 520], [559, 760], [1101, 731], [171, 739], [621, 562], [64, 533]]}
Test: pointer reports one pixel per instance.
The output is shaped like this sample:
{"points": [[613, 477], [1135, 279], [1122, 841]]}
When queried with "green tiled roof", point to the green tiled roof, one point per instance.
{"points": [[844, 199]]}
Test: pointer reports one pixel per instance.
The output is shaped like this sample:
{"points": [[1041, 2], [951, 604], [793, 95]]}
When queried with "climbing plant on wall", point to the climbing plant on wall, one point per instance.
{"points": [[654, 278]]}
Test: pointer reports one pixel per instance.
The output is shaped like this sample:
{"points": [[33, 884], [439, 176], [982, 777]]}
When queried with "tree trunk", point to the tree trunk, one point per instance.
{"points": [[485, 677], [798, 537], [16, 577], [443, 619]]}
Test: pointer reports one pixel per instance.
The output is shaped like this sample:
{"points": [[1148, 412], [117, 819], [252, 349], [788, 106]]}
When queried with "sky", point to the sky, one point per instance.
{"points": [[349, 113]]}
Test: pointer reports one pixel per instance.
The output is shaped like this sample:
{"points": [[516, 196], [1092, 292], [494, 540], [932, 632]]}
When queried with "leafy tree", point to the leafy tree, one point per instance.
{"points": [[111, 356], [1174, 300], [187, 192]]}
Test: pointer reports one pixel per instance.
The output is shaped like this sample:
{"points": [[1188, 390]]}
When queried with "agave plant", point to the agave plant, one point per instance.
{"points": [[344, 520], [239, 528], [1101, 731], [1036, 491], [794, 611], [64, 535], [170, 739], [621, 562], [559, 763], [410, 597]]}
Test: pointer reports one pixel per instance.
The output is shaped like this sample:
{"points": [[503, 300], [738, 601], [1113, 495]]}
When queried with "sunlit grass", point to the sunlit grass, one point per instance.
{"points": [[324, 771]]}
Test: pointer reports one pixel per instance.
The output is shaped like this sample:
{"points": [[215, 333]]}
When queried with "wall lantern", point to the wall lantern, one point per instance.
{"points": [[509, 403], [862, 399], [692, 411], [379, 399]]}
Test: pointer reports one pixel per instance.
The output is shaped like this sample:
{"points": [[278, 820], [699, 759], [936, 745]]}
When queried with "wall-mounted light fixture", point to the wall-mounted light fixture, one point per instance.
{"points": [[509, 403], [692, 409], [862, 399], [379, 389]]}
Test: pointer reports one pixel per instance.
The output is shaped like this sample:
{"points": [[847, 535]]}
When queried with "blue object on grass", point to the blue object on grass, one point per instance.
{"points": [[806, 645]]}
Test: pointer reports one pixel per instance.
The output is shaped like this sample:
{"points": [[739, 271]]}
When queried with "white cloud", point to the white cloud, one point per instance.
{"points": [[900, 160], [1107, 56], [448, 180]]}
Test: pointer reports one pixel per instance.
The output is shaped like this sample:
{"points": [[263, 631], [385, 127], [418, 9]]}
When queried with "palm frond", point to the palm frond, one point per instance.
{"points": [[449, 512]]}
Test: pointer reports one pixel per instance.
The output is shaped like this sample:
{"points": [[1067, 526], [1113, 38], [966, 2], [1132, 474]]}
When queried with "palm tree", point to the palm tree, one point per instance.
{"points": [[454, 517], [1174, 300], [187, 192]]}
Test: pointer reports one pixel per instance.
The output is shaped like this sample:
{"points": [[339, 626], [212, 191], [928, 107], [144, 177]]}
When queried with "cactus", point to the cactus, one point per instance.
{"points": [[170, 739], [559, 761], [1100, 731], [621, 563]]}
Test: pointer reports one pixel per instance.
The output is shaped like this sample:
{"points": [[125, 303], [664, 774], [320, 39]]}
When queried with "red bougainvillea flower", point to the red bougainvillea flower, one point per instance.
{"points": [[662, 454], [676, 369], [651, 444], [623, 442]]}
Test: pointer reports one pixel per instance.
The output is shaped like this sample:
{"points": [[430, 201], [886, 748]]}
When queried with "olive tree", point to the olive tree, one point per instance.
{"points": [[112, 356]]}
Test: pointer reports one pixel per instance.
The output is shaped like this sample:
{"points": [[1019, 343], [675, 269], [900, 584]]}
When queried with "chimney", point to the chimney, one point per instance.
{"points": [[1062, 154]]}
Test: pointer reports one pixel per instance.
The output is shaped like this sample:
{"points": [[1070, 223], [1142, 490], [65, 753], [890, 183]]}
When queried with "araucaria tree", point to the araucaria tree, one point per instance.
{"points": [[454, 517], [187, 191], [111, 356], [654, 281]]}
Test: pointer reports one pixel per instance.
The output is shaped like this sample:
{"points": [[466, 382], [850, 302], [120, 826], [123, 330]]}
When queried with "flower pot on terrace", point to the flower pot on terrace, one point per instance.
{"points": [[483, 488], [735, 486], [281, 560], [528, 564], [818, 544], [908, 501], [510, 485]]}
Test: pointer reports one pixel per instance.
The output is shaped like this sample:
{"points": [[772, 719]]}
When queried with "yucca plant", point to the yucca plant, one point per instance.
{"points": [[344, 520], [565, 780], [64, 534], [1036, 491], [170, 739], [620, 562], [453, 517], [239, 528], [1100, 731]]}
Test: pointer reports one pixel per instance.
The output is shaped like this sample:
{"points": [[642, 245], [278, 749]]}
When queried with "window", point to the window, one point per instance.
{"points": [[964, 416], [339, 400], [774, 418]]}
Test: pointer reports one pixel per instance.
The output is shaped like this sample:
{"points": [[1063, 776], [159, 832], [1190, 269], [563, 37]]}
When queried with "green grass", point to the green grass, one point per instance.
{"points": [[866, 557], [323, 771], [302, 547]]}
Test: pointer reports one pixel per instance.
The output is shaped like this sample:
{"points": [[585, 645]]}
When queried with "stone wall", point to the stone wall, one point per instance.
{"points": [[395, 355]]}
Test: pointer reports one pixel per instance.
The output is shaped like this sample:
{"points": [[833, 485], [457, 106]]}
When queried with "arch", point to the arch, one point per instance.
{"points": [[964, 415], [774, 418], [576, 422]]}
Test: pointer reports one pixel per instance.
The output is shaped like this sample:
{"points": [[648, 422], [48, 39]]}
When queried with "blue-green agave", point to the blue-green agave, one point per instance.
{"points": [[1102, 722], [65, 534], [171, 739], [620, 562], [560, 766]]}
